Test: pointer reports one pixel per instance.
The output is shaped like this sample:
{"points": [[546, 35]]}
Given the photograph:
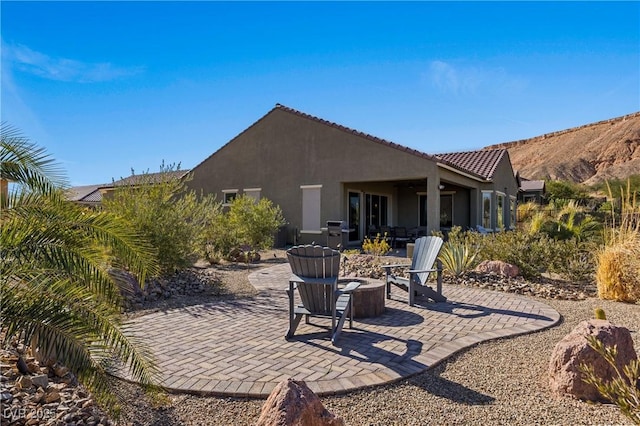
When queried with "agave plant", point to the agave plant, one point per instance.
{"points": [[56, 293], [457, 257]]}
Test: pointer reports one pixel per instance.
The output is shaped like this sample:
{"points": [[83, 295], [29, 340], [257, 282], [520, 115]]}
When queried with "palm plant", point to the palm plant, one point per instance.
{"points": [[56, 293]]}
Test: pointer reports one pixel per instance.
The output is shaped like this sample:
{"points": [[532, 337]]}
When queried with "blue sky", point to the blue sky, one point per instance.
{"points": [[111, 86]]}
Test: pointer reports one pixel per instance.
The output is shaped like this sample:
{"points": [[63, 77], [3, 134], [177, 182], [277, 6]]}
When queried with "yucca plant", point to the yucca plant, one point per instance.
{"points": [[618, 261], [56, 293]]}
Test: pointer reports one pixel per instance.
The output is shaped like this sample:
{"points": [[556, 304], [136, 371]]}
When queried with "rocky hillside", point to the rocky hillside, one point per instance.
{"points": [[586, 154]]}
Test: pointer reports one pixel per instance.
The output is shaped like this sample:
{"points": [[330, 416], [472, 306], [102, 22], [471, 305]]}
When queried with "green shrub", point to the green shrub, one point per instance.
{"points": [[556, 189], [536, 253], [173, 218], [533, 254], [246, 223]]}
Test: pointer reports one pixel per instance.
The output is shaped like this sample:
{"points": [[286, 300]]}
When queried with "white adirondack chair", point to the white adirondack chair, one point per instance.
{"points": [[425, 255]]}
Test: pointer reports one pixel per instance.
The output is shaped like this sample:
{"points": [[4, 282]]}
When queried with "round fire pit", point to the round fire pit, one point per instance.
{"points": [[369, 298]]}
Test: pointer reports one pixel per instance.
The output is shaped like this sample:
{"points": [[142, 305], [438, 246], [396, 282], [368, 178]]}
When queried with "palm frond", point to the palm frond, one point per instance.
{"points": [[23, 162], [65, 320]]}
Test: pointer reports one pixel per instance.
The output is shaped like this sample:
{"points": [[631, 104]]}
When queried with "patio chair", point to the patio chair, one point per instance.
{"points": [[315, 276], [425, 255], [400, 235]]}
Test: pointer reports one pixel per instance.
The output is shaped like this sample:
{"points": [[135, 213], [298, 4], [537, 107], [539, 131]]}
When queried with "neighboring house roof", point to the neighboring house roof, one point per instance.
{"points": [[367, 136], [532, 185], [80, 193], [94, 198], [148, 178], [93, 194], [482, 163]]}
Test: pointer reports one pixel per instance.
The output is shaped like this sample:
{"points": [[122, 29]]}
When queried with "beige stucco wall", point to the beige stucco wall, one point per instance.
{"points": [[283, 151]]}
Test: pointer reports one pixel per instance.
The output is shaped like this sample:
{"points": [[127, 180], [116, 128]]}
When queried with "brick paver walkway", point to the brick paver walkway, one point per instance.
{"points": [[237, 347]]}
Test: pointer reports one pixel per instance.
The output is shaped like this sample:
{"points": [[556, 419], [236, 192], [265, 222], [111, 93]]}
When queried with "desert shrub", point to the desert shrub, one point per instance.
{"points": [[159, 206], [246, 223], [377, 247], [632, 183], [527, 211], [618, 260], [622, 390], [533, 254], [573, 260], [557, 189]]}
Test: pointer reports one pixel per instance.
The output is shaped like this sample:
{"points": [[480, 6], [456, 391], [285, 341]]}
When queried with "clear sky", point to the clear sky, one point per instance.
{"points": [[111, 86]]}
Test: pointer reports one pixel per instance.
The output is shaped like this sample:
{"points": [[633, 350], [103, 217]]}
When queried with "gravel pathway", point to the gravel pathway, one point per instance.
{"points": [[502, 382]]}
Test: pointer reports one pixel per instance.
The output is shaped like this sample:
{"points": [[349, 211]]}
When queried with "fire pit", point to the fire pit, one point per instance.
{"points": [[369, 298]]}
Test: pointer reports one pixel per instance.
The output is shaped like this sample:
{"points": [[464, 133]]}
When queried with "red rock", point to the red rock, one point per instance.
{"points": [[565, 378], [292, 403], [498, 267]]}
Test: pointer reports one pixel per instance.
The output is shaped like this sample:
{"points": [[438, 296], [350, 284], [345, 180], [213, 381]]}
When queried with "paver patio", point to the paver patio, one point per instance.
{"points": [[237, 347]]}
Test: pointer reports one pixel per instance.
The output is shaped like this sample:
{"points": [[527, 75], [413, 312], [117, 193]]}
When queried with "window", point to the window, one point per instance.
{"points": [[500, 211], [486, 209], [311, 208], [229, 195], [253, 193], [513, 209]]}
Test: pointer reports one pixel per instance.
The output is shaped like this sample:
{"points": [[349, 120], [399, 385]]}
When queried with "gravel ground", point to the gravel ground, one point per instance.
{"points": [[502, 382]]}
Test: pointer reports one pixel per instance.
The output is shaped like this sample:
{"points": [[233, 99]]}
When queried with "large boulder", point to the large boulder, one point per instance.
{"points": [[292, 403], [565, 378], [498, 267]]}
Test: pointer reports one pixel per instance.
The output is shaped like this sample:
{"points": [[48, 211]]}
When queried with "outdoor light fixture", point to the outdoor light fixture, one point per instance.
{"points": [[441, 187]]}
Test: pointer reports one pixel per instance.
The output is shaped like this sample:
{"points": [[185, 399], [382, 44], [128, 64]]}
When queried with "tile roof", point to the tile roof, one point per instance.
{"points": [[92, 193], [532, 185], [482, 163], [78, 193], [148, 177]]}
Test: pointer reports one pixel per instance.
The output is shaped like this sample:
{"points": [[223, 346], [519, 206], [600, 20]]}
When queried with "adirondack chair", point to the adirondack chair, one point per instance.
{"points": [[315, 275], [425, 254]]}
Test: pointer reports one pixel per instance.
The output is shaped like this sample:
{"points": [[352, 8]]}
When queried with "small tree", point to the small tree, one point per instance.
{"points": [[247, 223], [173, 218]]}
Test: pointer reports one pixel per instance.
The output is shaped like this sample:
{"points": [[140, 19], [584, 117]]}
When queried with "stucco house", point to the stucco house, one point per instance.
{"points": [[531, 191], [319, 171]]}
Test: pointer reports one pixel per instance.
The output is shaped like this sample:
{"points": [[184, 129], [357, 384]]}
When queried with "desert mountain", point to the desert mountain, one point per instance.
{"points": [[586, 154]]}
